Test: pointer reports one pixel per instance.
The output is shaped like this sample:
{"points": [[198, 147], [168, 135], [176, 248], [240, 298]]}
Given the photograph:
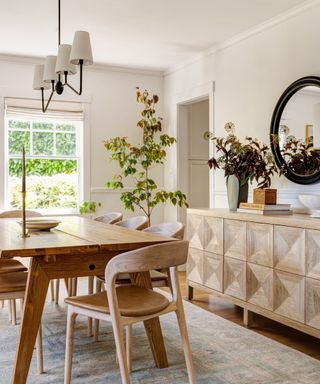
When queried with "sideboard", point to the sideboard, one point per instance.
{"points": [[268, 265]]}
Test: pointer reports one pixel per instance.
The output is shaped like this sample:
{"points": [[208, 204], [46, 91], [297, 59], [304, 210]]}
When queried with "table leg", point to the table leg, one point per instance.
{"points": [[152, 327], [36, 293]]}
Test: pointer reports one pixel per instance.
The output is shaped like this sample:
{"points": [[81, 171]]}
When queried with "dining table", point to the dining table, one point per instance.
{"points": [[77, 247]]}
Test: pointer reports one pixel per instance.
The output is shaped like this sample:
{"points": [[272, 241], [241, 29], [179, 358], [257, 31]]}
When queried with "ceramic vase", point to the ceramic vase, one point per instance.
{"points": [[236, 194]]}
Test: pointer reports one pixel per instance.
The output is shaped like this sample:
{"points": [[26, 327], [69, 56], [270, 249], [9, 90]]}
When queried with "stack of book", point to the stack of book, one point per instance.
{"points": [[265, 209]]}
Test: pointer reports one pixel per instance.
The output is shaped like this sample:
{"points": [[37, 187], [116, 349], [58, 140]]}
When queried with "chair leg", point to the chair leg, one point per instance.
{"points": [[21, 307], [57, 288], [90, 292], [14, 312], [2, 303], [39, 351], [69, 345], [96, 323], [10, 310], [52, 289], [74, 286], [185, 341], [96, 326], [121, 351], [129, 346], [67, 285]]}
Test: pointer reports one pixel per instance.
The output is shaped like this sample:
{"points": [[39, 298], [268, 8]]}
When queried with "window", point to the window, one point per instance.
{"points": [[53, 161]]}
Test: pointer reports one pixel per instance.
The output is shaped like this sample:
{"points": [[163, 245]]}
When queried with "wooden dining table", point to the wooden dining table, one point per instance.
{"points": [[77, 247]]}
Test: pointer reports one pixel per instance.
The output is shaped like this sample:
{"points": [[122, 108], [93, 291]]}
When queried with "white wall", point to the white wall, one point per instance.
{"points": [[248, 76], [109, 100]]}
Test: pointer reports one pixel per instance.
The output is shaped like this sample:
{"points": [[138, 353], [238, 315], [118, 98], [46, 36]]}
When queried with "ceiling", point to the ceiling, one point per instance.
{"points": [[148, 34]]}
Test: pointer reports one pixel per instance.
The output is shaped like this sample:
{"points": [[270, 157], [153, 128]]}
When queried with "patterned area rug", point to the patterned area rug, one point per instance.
{"points": [[224, 353]]}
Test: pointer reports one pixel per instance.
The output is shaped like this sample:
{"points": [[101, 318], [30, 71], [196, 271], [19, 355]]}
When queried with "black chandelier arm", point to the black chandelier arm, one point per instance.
{"points": [[81, 78], [45, 107]]}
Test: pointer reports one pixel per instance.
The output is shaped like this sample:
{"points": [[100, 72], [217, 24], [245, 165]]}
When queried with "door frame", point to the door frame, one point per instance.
{"points": [[203, 92]]}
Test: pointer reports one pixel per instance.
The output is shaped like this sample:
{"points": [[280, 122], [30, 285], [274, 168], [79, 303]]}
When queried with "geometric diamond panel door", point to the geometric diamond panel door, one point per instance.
{"points": [[195, 231], [234, 278], [213, 271], [260, 286], [288, 295], [313, 302], [260, 244], [213, 234], [195, 265], [313, 253], [289, 249], [235, 239]]}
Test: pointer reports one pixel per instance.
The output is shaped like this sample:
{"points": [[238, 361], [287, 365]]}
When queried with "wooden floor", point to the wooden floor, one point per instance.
{"points": [[281, 333]]}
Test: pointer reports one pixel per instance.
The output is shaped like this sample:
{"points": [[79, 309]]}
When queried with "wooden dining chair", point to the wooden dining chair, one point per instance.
{"points": [[12, 265], [138, 222], [126, 305], [171, 229], [158, 279], [13, 287], [110, 218]]}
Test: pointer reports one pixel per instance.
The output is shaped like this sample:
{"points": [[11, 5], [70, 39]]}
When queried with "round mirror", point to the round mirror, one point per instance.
{"points": [[295, 131]]}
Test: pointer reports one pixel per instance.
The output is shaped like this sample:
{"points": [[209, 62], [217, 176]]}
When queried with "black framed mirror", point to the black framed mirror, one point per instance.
{"points": [[295, 131]]}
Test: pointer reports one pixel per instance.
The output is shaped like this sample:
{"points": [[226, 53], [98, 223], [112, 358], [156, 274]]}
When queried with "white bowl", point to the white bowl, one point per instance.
{"points": [[312, 202]]}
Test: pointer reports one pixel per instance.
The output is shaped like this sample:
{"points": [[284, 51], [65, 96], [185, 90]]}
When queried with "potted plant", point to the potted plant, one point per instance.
{"points": [[88, 208], [136, 162], [242, 163]]}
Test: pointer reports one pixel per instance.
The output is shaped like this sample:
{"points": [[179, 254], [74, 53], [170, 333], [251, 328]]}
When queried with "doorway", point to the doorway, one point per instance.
{"points": [[193, 153]]}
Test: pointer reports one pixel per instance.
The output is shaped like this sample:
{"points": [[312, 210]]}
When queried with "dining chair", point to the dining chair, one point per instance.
{"points": [[138, 222], [12, 265], [126, 305], [13, 287], [170, 229], [110, 218]]}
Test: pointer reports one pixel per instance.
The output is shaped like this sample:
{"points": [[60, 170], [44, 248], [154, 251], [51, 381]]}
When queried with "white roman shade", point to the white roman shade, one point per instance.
{"points": [[20, 108]]}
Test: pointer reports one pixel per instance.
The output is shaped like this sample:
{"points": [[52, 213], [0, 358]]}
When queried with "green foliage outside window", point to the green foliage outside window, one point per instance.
{"points": [[52, 183], [42, 167], [45, 192]]}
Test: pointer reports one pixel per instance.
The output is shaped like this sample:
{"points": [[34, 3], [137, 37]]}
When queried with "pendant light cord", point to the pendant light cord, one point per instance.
{"points": [[59, 22]]}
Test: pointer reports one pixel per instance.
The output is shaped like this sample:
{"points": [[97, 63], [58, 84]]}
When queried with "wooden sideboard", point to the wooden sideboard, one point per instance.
{"points": [[268, 265]]}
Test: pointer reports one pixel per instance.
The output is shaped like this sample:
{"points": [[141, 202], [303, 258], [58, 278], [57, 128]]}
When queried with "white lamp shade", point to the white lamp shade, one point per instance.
{"points": [[49, 73], [38, 82], [81, 49], [63, 61]]}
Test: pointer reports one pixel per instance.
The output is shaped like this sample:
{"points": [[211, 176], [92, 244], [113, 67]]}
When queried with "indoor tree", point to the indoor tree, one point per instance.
{"points": [[136, 162]]}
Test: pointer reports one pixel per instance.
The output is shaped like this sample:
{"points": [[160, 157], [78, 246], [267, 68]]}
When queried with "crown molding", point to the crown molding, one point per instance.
{"points": [[293, 12], [32, 60]]}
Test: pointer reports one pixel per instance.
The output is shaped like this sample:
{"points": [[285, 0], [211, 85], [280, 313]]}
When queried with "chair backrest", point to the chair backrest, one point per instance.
{"points": [[174, 229], [159, 256], [110, 218], [17, 213], [137, 222]]}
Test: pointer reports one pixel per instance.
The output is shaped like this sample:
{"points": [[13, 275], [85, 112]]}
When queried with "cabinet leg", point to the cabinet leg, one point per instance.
{"points": [[247, 317], [190, 292]]}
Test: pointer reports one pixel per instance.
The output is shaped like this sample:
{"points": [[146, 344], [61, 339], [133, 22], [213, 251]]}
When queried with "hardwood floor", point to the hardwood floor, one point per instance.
{"points": [[281, 333]]}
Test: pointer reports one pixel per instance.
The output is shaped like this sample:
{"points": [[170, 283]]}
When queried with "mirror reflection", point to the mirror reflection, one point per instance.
{"points": [[299, 131]]}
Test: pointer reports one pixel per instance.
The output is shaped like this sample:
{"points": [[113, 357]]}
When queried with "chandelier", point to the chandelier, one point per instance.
{"points": [[54, 73]]}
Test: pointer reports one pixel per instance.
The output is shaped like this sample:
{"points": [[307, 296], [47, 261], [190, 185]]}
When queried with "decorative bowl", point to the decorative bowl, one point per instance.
{"points": [[312, 202], [40, 224]]}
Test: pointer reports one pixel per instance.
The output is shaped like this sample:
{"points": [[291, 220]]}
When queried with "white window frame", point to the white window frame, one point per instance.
{"points": [[79, 157]]}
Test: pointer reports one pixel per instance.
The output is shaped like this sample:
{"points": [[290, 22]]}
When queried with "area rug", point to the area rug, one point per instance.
{"points": [[224, 353]]}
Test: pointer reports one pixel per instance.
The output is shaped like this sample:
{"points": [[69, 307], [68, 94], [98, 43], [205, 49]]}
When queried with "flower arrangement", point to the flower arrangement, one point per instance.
{"points": [[248, 161], [299, 157]]}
